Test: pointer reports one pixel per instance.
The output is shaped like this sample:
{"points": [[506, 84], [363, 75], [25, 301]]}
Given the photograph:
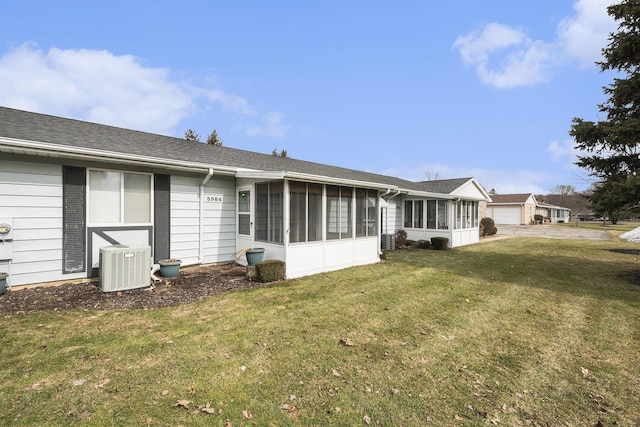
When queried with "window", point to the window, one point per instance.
{"points": [[443, 217], [413, 213], [244, 212], [466, 214], [305, 207], [366, 212], [269, 201], [339, 213], [119, 197]]}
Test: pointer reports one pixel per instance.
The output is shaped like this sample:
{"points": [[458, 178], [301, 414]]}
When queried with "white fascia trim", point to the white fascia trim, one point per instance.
{"points": [[338, 181], [427, 194], [58, 151], [257, 174]]}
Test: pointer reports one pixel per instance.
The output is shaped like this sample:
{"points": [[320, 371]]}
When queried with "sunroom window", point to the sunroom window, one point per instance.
{"points": [[119, 197], [413, 213], [305, 212], [339, 213], [437, 215], [366, 213], [269, 209]]}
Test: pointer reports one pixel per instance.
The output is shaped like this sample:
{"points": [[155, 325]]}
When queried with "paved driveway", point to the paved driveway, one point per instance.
{"points": [[551, 232]]}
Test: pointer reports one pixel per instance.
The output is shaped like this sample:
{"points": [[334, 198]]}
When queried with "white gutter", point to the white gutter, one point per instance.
{"points": [[397, 193], [17, 146], [201, 222]]}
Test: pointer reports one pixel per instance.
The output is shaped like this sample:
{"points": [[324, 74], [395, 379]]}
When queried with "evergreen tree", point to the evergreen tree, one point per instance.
{"points": [[214, 139], [611, 147], [191, 135]]}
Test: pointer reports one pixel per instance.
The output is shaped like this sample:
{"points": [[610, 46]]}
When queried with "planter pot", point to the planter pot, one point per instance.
{"points": [[169, 268], [3, 282], [255, 256]]}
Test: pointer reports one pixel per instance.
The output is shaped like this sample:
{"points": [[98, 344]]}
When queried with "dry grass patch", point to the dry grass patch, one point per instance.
{"points": [[510, 332]]}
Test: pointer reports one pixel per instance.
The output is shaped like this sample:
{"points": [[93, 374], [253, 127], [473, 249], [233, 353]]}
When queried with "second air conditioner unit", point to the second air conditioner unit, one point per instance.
{"points": [[124, 267]]}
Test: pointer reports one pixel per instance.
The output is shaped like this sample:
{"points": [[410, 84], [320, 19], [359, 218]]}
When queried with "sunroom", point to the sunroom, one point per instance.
{"points": [[312, 225]]}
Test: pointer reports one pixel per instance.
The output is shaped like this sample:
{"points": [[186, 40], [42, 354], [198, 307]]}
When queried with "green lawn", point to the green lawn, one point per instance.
{"points": [[509, 332]]}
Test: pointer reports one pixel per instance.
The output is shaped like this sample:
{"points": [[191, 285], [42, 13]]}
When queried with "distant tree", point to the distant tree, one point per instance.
{"points": [[432, 175], [282, 153], [214, 139], [191, 135], [492, 191], [612, 146], [563, 190]]}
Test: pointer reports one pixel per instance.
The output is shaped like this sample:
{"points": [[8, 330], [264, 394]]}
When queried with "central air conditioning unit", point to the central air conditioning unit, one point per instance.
{"points": [[389, 242], [125, 267]]}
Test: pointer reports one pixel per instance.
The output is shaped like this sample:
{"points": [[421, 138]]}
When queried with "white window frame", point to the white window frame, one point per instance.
{"points": [[121, 223]]}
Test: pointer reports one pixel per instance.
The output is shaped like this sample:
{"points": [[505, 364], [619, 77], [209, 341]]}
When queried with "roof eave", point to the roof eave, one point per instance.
{"points": [[18, 146]]}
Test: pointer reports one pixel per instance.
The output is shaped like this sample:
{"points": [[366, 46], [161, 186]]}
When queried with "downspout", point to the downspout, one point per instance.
{"points": [[397, 193], [201, 222], [379, 215]]}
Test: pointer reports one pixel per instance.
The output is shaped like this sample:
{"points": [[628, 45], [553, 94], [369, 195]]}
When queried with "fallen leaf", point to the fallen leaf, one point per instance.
{"points": [[585, 371], [336, 373], [207, 409], [34, 387], [395, 391], [292, 397], [243, 368], [183, 403], [164, 392], [102, 383], [367, 419], [284, 406], [192, 389], [337, 410], [347, 342], [149, 421], [228, 424], [246, 414], [85, 415], [78, 383]]}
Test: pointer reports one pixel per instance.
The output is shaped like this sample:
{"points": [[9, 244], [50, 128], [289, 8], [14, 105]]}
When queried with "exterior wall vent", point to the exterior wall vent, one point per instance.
{"points": [[124, 267], [389, 242]]}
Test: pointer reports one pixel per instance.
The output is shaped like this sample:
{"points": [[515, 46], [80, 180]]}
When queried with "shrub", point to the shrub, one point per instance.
{"points": [[410, 243], [538, 219], [423, 244], [487, 227], [439, 242], [270, 270], [401, 238]]}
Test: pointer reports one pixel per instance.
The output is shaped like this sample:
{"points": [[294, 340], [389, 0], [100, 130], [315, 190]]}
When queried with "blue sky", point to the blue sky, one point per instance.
{"points": [[454, 89]]}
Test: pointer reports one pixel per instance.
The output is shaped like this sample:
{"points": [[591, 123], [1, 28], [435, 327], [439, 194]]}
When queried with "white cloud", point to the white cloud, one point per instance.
{"points": [[584, 35], [505, 57], [273, 125], [92, 85], [118, 90], [563, 150]]}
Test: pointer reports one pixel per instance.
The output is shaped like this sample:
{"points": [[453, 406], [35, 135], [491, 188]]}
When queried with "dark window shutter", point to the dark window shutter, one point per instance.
{"points": [[74, 235], [161, 215]]}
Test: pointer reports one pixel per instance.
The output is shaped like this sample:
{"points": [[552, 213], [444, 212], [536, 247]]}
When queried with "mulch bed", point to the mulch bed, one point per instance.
{"points": [[193, 284]]}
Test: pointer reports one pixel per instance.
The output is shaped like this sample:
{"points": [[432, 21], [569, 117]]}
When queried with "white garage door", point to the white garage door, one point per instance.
{"points": [[507, 216]]}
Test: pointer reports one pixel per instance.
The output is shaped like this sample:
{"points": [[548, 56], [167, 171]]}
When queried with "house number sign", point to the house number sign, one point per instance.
{"points": [[214, 198]]}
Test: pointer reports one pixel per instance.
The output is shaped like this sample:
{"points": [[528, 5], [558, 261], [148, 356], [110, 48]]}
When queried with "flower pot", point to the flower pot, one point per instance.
{"points": [[3, 282], [255, 256], [169, 268]]}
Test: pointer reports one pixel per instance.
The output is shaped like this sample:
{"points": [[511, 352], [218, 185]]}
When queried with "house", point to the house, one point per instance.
{"points": [[552, 213], [520, 209], [69, 188]]}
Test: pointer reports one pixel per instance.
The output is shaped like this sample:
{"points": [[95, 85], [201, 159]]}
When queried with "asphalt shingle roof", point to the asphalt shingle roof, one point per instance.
{"points": [[510, 198], [64, 132]]}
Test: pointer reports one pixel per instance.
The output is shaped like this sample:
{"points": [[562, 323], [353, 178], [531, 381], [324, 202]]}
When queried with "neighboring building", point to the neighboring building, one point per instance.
{"points": [[553, 213], [69, 187], [519, 209]]}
